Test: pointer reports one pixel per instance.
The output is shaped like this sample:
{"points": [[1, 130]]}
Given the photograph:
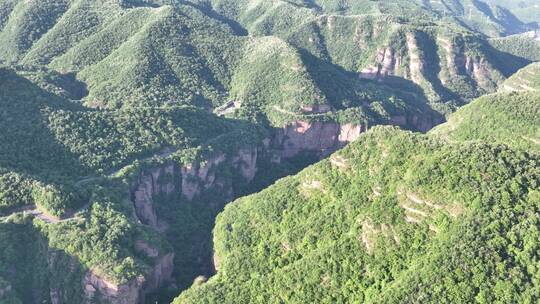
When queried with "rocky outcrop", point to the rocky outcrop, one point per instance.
{"points": [[147, 185], [454, 58], [189, 181], [459, 64], [99, 289], [416, 64], [197, 176], [388, 63], [182, 184], [456, 64], [324, 138], [321, 138], [480, 70], [246, 162]]}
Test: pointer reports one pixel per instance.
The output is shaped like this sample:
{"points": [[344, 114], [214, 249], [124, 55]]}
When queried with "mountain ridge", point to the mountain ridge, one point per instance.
{"points": [[130, 125]]}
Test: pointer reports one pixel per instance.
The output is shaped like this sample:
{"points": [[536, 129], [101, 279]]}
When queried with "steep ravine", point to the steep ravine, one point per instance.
{"points": [[181, 202], [170, 197]]}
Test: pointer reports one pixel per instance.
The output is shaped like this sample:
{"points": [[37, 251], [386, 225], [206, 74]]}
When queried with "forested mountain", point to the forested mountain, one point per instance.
{"points": [[526, 79], [512, 119], [526, 10], [393, 218], [185, 54], [127, 126], [526, 45]]}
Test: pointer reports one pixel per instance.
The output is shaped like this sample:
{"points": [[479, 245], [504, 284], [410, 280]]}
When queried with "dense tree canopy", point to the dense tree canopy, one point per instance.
{"points": [[394, 217], [106, 103]]}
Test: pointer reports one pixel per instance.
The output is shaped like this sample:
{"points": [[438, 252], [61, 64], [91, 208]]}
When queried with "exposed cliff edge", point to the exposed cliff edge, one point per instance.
{"points": [[189, 181], [456, 67], [99, 289], [321, 138], [186, 183]]}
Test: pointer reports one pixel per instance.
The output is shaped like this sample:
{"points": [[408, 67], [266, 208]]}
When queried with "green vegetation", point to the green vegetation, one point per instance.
{"points": [[96, 95], [277, 17], [526, 79], [509, 118], [526, 10], [95, 142], [524, 45], [25, 260], [394, 217], [50, 143], [195, 53]]}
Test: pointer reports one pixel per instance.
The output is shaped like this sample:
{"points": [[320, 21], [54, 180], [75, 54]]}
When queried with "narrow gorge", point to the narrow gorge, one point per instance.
{"points": [[213, 183]]}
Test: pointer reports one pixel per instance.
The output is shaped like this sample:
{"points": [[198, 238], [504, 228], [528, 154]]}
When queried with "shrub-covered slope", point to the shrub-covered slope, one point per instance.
{"points": [[66, 178], [482, 16], [509, 118], [526, 45], [127, 125], [526, 10], [394, 217], [526, 79], [51, 142], [277, 16], [189, 53]]}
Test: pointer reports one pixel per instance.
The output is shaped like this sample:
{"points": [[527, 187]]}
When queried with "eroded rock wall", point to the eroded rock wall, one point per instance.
{"points": [[189, 181], [456, 65], [98, 289], [321, 138], [184, 183]]}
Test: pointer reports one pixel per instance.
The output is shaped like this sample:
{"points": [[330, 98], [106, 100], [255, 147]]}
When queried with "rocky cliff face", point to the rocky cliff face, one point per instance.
{"points": [[180, 183], [184, 183], [405, 63], [321, 138], [455, 63], [146, 186], [197, 177], [100, 290], [189, 180], [475, 68]]}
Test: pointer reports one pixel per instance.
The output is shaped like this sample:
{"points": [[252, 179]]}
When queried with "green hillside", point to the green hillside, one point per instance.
{"points": [[424, 58], [509, 118], [277, 16], [395, 217], [526, 10], [127, 126], [51, 142], [188, 53], [482, 16], [72, 167], [526, 79], [525, 45]]}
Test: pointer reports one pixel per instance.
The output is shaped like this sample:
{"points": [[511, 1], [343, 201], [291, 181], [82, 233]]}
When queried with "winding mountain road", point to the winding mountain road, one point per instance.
{"points": [[50, 219]]}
